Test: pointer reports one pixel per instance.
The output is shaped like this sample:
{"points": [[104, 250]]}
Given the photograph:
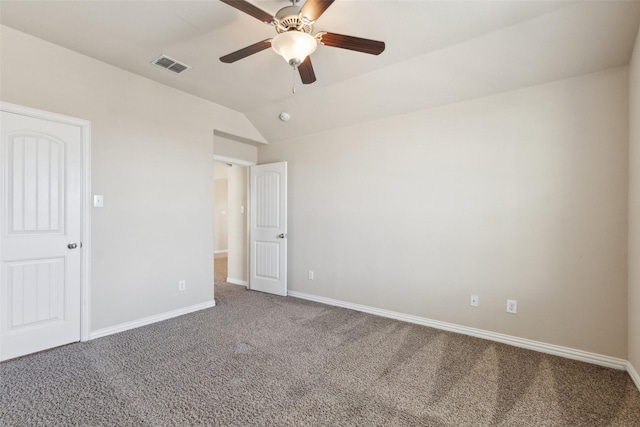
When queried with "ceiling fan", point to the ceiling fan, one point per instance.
{"points": [[294, 42]]}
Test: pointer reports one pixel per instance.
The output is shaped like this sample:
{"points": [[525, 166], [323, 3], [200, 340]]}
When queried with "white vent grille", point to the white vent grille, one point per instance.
{"points": [[170, 64]]}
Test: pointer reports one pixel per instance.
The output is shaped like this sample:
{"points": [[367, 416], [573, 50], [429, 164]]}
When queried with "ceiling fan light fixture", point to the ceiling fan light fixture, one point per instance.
{"points": [[294, 46]]}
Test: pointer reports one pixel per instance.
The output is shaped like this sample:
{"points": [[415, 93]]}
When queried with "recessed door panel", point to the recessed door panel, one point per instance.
{"points": [[267, 260], [35, 180], [36, 291], [267, 200]]}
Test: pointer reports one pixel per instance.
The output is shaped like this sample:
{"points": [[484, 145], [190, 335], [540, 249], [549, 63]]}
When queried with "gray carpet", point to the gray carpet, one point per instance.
{"points": [[262, 360]]}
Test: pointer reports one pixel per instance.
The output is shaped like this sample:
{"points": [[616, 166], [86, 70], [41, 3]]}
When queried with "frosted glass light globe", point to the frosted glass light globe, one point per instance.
{"points": [[294, 46]]}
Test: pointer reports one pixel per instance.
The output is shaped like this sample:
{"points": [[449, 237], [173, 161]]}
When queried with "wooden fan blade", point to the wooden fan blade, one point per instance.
{"points": [[358, 44], [244, 52], [250, 9], [312, 9], [306, 71]]}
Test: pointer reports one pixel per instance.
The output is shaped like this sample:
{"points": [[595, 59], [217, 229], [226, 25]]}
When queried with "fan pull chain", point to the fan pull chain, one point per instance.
{"points": [[293, 81]]}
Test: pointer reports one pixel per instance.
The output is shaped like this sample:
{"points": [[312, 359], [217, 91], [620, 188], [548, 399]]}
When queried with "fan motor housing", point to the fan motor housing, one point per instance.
{"points": [[289, 19]]}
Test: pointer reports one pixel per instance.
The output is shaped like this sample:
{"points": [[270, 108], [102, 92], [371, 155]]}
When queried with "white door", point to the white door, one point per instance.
{"points": [[268, 262], [41, 231]]}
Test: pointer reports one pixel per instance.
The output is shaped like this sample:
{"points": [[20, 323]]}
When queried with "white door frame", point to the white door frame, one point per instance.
{"points": [[85, 256], [231, 160]]}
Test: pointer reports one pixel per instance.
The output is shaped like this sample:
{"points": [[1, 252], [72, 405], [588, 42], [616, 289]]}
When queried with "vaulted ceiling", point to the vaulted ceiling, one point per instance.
{"points": [[437, 52]]}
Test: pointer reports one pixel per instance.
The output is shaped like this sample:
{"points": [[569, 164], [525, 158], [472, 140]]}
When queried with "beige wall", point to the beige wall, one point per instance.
{"points": [[231, 149], [634, 210], [220, 217], [238, 228], [152, 150], [220, 206], [220, 170], [521, 195]]}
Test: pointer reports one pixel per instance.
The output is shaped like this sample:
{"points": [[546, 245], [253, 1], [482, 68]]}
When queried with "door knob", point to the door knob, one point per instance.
{"points": [[72, 245], [282, 236]]}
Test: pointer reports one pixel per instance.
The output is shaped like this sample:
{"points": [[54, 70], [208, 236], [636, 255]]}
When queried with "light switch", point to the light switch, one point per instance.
{"points": [[98, 201]]}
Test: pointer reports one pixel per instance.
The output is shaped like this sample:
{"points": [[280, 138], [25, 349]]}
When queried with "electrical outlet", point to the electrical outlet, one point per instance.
{"points": [[182, 285], [310, 274], [512, 306], [475, 300]]}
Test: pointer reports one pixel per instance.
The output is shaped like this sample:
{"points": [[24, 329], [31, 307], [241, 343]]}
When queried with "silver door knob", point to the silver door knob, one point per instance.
{"points": [[72, 245]]}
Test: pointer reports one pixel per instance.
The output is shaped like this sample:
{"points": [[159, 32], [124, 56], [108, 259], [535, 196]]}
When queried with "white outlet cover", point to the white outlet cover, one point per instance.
{"points": [[512, 306], [474, 300]]}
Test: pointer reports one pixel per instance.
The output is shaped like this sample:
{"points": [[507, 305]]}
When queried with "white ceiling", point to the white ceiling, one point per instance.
{"points": [[437, 52]]}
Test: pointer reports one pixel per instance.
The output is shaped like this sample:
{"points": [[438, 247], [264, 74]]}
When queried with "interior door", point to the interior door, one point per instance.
{"points": [[41, 231], [268, 259]]}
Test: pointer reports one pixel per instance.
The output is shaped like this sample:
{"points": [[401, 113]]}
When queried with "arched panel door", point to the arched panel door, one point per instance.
{"points": [[268, 249], [41, 234]]}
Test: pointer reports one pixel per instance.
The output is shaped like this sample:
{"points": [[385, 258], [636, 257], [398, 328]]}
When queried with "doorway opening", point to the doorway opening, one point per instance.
{"points": [[231, 221]]}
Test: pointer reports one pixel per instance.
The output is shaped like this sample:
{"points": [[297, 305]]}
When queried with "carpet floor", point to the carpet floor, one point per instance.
{"points": [[262, 360]]}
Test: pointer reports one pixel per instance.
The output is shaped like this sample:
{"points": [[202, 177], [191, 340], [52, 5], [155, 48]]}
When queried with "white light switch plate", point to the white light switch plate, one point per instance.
{"points": [[98, 201]]}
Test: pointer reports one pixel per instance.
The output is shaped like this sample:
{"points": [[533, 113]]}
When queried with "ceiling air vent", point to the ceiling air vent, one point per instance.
{"points": [[170, 64]]}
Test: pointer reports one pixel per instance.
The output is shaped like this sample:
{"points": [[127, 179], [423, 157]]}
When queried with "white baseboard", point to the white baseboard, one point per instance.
{"points": [[569, 353], [149, 320], [237, 281], [633, 374]]}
